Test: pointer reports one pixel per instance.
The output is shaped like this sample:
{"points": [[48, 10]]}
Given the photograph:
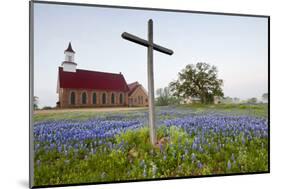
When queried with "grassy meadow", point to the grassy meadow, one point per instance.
{"points": [[97, 145]]}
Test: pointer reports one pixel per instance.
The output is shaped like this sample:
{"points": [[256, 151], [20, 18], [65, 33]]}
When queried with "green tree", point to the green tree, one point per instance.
{"points": [[198, 80], [35, 102], [253, 100]]}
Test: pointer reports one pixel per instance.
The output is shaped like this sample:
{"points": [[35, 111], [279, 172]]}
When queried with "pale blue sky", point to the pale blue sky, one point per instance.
{"points": [[236, 45]]}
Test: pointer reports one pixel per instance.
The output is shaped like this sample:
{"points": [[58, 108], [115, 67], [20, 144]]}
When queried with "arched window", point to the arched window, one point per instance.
{"points": [[112, 98], [94, 98], [72, 98], [84, 98], [103, 98], [121, 98]]}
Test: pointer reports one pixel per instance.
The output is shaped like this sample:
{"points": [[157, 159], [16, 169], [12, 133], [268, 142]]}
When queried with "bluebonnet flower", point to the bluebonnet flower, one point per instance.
{"points": [[183, 157], [199, 165], [200, 149], [161, 148], [59, 149], [229, 165], [52, 146], [194, 146]]}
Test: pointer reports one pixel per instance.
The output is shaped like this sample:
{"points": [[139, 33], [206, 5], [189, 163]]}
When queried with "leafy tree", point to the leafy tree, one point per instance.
{"points": [[265, 97], [47, 108], [198, 80], [35, 102], [253, 100]]}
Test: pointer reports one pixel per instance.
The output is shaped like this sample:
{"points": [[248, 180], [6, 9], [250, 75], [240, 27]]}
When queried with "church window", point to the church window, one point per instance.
{"points": [[103, 98], [84, 98], [72, 98], [94, 98]]}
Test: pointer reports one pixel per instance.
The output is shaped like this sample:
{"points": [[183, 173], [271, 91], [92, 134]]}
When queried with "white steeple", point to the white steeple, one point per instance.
{"points": [[68, 64]]}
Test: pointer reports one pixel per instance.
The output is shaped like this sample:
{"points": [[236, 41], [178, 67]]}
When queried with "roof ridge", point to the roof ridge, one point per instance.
{"points": [[100, 71], [136, 82]]}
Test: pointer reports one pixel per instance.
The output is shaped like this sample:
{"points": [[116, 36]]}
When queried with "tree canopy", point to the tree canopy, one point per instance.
{"points": [[253, 100], [198, 80]]}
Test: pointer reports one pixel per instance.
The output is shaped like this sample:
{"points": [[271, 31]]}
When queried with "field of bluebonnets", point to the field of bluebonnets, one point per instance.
{"points": [[83, 147]]}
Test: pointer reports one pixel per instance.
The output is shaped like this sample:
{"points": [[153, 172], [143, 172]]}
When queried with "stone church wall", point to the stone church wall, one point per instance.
{"points": [[65, 98]]}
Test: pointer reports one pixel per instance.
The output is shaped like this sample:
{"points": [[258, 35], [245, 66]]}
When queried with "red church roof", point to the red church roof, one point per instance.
{"points": [[85, 79]]}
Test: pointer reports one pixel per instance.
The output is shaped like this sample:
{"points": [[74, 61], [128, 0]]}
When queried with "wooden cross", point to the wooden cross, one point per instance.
{"points": [[150, 47]]}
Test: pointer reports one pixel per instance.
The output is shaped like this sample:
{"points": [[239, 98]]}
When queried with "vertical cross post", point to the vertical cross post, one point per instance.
{"points": [[150, 47], [150, 78]]}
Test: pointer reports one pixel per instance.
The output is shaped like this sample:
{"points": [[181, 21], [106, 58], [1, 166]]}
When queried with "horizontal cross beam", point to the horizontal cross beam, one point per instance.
{"points": [[145, 43]]}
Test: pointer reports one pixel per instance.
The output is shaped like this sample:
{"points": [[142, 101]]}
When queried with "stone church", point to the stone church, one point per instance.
{"points": [[86, 88]]}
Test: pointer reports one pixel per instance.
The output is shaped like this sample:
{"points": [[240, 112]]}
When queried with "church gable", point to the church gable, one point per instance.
{"points": [[137, 95]]}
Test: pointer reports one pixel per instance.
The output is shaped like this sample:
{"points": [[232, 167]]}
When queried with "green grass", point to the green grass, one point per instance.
{"points": [[65, 115], [125, 163], [260, 110], [77, 115]]}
